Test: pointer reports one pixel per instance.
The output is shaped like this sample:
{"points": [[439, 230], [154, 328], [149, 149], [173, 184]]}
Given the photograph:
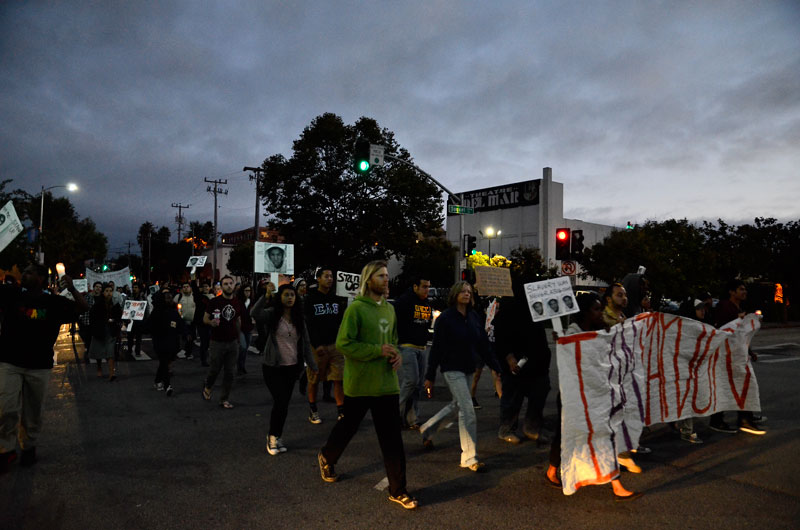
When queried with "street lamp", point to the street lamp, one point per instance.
{"points": [[71, 186], [490, 234]]}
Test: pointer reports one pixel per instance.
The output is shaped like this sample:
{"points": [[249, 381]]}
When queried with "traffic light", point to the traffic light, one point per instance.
{"points": [[562, 244], [472, 242], [361, 156], [105, 267], [629, 226], [577, 245]]}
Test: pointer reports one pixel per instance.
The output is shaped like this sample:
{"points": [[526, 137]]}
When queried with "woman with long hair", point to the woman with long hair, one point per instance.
{"points": [[287, 346], [458, 339], [105, 318]]}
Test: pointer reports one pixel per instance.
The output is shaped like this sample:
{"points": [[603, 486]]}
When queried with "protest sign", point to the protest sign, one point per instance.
{"points": [[550, 298], [120, 277], [82, 286], [273, 257], [493, 281], [134, 309], [347, 284], [652, 368], [197, 261], [10, 226]]}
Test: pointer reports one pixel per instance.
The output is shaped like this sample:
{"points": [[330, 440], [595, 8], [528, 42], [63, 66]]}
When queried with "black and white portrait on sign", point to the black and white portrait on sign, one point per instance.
{"points": [[274, 257]]}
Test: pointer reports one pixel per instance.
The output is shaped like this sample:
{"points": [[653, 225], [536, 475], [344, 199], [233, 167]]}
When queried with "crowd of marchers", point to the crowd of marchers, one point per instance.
{"points": [[367, 353]]}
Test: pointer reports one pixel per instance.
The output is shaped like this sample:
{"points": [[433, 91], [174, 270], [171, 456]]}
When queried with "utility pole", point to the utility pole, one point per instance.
{"points": [[215, 190], [257, 171], [149, 237], [179, 219]]}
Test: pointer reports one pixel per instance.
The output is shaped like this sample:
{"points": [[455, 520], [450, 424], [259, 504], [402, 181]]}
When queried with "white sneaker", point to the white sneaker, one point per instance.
{"points": [[314, 418], [159, 386], [281, 447], [272, 445]]}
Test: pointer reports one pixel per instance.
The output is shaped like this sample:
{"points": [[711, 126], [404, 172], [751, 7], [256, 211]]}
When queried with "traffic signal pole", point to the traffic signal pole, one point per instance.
{"points": [[450, 196]]}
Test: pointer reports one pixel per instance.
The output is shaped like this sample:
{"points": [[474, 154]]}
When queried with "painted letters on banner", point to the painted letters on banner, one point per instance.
{"points": [[652, 368]]}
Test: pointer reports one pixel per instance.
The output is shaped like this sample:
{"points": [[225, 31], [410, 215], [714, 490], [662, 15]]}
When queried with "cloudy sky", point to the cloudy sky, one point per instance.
{"points": [[644, 110]]}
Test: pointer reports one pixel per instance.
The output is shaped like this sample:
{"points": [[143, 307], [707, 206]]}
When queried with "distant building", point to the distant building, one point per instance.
{"points": [[243, 236], [524, 214]]}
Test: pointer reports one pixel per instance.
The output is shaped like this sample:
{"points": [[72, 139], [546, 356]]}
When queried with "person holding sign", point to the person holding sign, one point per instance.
{"points": [[368, 340], [459, 338], [105, 318], [31, 319]]}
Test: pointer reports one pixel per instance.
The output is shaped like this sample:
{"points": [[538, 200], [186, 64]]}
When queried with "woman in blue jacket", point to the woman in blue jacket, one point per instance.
{"points": [[458, 338]]}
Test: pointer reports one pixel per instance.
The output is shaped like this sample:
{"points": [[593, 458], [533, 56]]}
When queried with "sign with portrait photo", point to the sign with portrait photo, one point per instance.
{"points": [[273, 257], [551, 298], [134, 309], [197, 261], [10, 227]]}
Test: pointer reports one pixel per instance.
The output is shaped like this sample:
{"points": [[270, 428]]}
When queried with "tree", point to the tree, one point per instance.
{"points": [[240, 261], [335, 215], [66, 237], [528, 266], [202, 234], [432, 258]]}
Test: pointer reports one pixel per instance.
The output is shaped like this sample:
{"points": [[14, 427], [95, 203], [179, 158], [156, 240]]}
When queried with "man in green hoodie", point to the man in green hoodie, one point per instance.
{"points": [[368, 340]]}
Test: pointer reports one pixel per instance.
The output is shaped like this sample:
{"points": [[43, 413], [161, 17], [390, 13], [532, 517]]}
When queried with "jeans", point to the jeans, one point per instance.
{"points": [[516, 388], [204, 332], [387, 427], [188, 338], [280, 382], [22, 392], [467, 420], [412, 376], [223, 355]]}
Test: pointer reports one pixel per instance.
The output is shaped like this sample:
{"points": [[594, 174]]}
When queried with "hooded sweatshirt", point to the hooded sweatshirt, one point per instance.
{"points": [[366, 327]]}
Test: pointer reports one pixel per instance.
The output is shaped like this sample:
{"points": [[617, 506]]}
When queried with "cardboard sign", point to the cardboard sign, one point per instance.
{"points": [[273, 257], [551, 298], [347, 284], [10, 227], [493, 281], [197, 261], [134, 309]]}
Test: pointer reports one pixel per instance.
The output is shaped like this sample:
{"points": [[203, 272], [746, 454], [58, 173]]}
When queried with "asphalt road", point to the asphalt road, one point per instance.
{"points": [[122, 455]]}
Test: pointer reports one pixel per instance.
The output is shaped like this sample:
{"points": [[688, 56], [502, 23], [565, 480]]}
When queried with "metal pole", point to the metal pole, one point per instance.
{"points": [[41, 223], [256, 171]]}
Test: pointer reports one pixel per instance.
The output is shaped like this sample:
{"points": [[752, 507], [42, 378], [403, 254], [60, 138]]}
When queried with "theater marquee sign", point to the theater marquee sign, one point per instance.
{"points": [[500, 197]]}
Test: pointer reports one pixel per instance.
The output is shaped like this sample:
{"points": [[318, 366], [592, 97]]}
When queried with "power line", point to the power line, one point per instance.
{"points": [[215, 190], [179, 219]]}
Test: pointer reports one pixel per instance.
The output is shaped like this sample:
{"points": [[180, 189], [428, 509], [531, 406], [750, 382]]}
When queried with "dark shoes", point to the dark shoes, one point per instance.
{"points": [[326, 470], [750, 428], [475, 404], [722, 427], [28, 457]]}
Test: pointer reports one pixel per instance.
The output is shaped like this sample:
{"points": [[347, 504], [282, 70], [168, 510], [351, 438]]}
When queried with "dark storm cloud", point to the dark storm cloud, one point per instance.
{"points": [[140, 101]]}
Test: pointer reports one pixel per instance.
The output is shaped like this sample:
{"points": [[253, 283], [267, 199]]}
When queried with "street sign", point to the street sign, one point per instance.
{"points": [[568, 268], [376, 153], [458, 209]]}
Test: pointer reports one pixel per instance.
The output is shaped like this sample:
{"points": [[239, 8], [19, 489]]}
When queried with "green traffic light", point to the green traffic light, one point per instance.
{"points": [[474, 251], [363, 165]]}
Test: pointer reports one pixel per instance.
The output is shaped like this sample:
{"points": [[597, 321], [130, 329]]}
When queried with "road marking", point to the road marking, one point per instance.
{"points": [[784, 360], [383, 484]]}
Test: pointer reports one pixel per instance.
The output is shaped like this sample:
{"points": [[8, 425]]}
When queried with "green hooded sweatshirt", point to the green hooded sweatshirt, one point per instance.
{"points": [[366, 326]]}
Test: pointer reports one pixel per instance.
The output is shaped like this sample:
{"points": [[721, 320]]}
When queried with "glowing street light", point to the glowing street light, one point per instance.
{"points": [[70, 186]]}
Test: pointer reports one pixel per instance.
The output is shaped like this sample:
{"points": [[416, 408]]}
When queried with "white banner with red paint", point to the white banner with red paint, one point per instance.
{"points": [[653, 368]]}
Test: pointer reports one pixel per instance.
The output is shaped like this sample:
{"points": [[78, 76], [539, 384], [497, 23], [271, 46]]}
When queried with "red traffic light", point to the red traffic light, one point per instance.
{"points": [[562, 235]]}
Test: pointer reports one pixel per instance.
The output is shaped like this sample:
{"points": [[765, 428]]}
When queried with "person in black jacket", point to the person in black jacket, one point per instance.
{"points": [[517, 337], [414, 317], [458, 339], [166, 329], [105, 318]]}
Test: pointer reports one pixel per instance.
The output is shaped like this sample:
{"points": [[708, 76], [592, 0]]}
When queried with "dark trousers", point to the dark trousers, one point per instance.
{"points": [[280, 382], [205, 339], [162, 374], [223, 357], [188, 338], [386, 418], [516, 388], [719, 417], [555, 445], [135, 337]]}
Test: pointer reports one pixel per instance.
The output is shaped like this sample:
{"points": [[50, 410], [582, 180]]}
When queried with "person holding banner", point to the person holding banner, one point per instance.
{"points": [[105, 317], [459, 338], [590, 318]]}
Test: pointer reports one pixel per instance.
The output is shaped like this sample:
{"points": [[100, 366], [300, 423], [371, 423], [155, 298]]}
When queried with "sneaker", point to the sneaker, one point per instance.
{"points": [[281, 447], [510, 438], [340, 416], [28, 457], [722, 427], [691, 438], [746, 426], [475, 404], [159, 386], [326, 469], [190, 356], [475, 467], [272, 445], [314, 418], [405, 500], [169, 390]]}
